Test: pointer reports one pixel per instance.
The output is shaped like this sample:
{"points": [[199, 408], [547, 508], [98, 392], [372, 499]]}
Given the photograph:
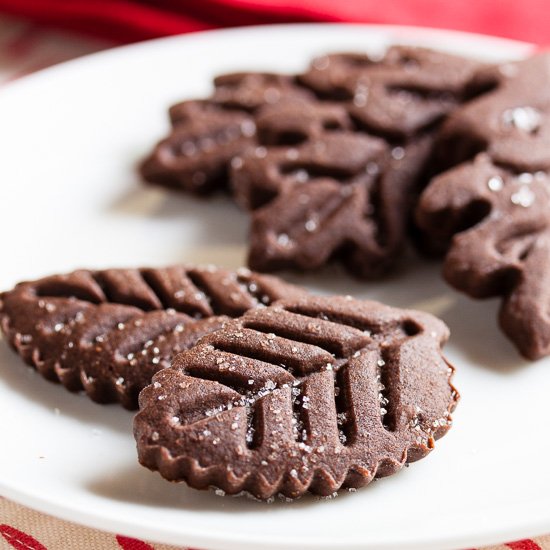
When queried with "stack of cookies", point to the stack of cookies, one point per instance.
{"points": [[329, 162], [355, 157], [295, 394], [247, 383]]}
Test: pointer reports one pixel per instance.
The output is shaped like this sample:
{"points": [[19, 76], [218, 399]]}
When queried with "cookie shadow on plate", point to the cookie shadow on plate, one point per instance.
{"points": [[134, 484], [219, 230], [55, 399], [218, 216], [475, 334], [333, 278]]}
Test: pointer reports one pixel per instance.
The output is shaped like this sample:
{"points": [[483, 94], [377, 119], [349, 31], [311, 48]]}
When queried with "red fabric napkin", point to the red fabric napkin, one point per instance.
{"points": [[132, 20]]}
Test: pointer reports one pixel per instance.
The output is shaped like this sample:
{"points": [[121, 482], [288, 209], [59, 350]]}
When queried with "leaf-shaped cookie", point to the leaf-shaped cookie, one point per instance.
{"points": [[109, 331], [493, 210], [309, 394]]}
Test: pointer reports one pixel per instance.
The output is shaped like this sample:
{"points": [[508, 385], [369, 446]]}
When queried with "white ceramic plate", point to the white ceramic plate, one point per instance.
{"points": [[69, 197]]}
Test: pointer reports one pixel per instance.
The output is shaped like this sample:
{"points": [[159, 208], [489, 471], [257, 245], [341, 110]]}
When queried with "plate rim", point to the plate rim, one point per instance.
{"points": [[214, 541]]}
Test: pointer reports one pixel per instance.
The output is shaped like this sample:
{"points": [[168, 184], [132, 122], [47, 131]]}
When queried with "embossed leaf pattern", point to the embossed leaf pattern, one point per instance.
{"points": [[356, 130], [312, 394], [493, 210], [107, 332]]}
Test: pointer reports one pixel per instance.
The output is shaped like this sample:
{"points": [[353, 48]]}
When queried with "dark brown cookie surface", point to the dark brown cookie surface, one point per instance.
{"points": [[397, 96], [500, 220], [345, 197], [494, 210], [510, 121], [207, 134], [195, 156], [311, 394], [108, 332], [366, 137]]}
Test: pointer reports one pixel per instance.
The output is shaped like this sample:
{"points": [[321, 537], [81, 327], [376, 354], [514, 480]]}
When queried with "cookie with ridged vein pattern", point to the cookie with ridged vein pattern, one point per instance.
{"points": [[363, 144], [207, 134], [335, 202], [107, 332], [362, 126], [491, 212], [312, 394], [398, 95]]}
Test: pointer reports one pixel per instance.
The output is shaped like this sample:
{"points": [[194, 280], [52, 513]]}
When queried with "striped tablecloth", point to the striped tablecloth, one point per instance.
{"points": [[25, 48]]}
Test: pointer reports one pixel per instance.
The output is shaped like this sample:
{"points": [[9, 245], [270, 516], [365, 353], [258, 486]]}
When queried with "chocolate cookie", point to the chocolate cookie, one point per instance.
{"points": [[352, 128], [404, 92], [207, 134], [195, 155], [362, 144], [334, 203], [309, 394], [509, 121], [108, 332], [494, 210]]}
